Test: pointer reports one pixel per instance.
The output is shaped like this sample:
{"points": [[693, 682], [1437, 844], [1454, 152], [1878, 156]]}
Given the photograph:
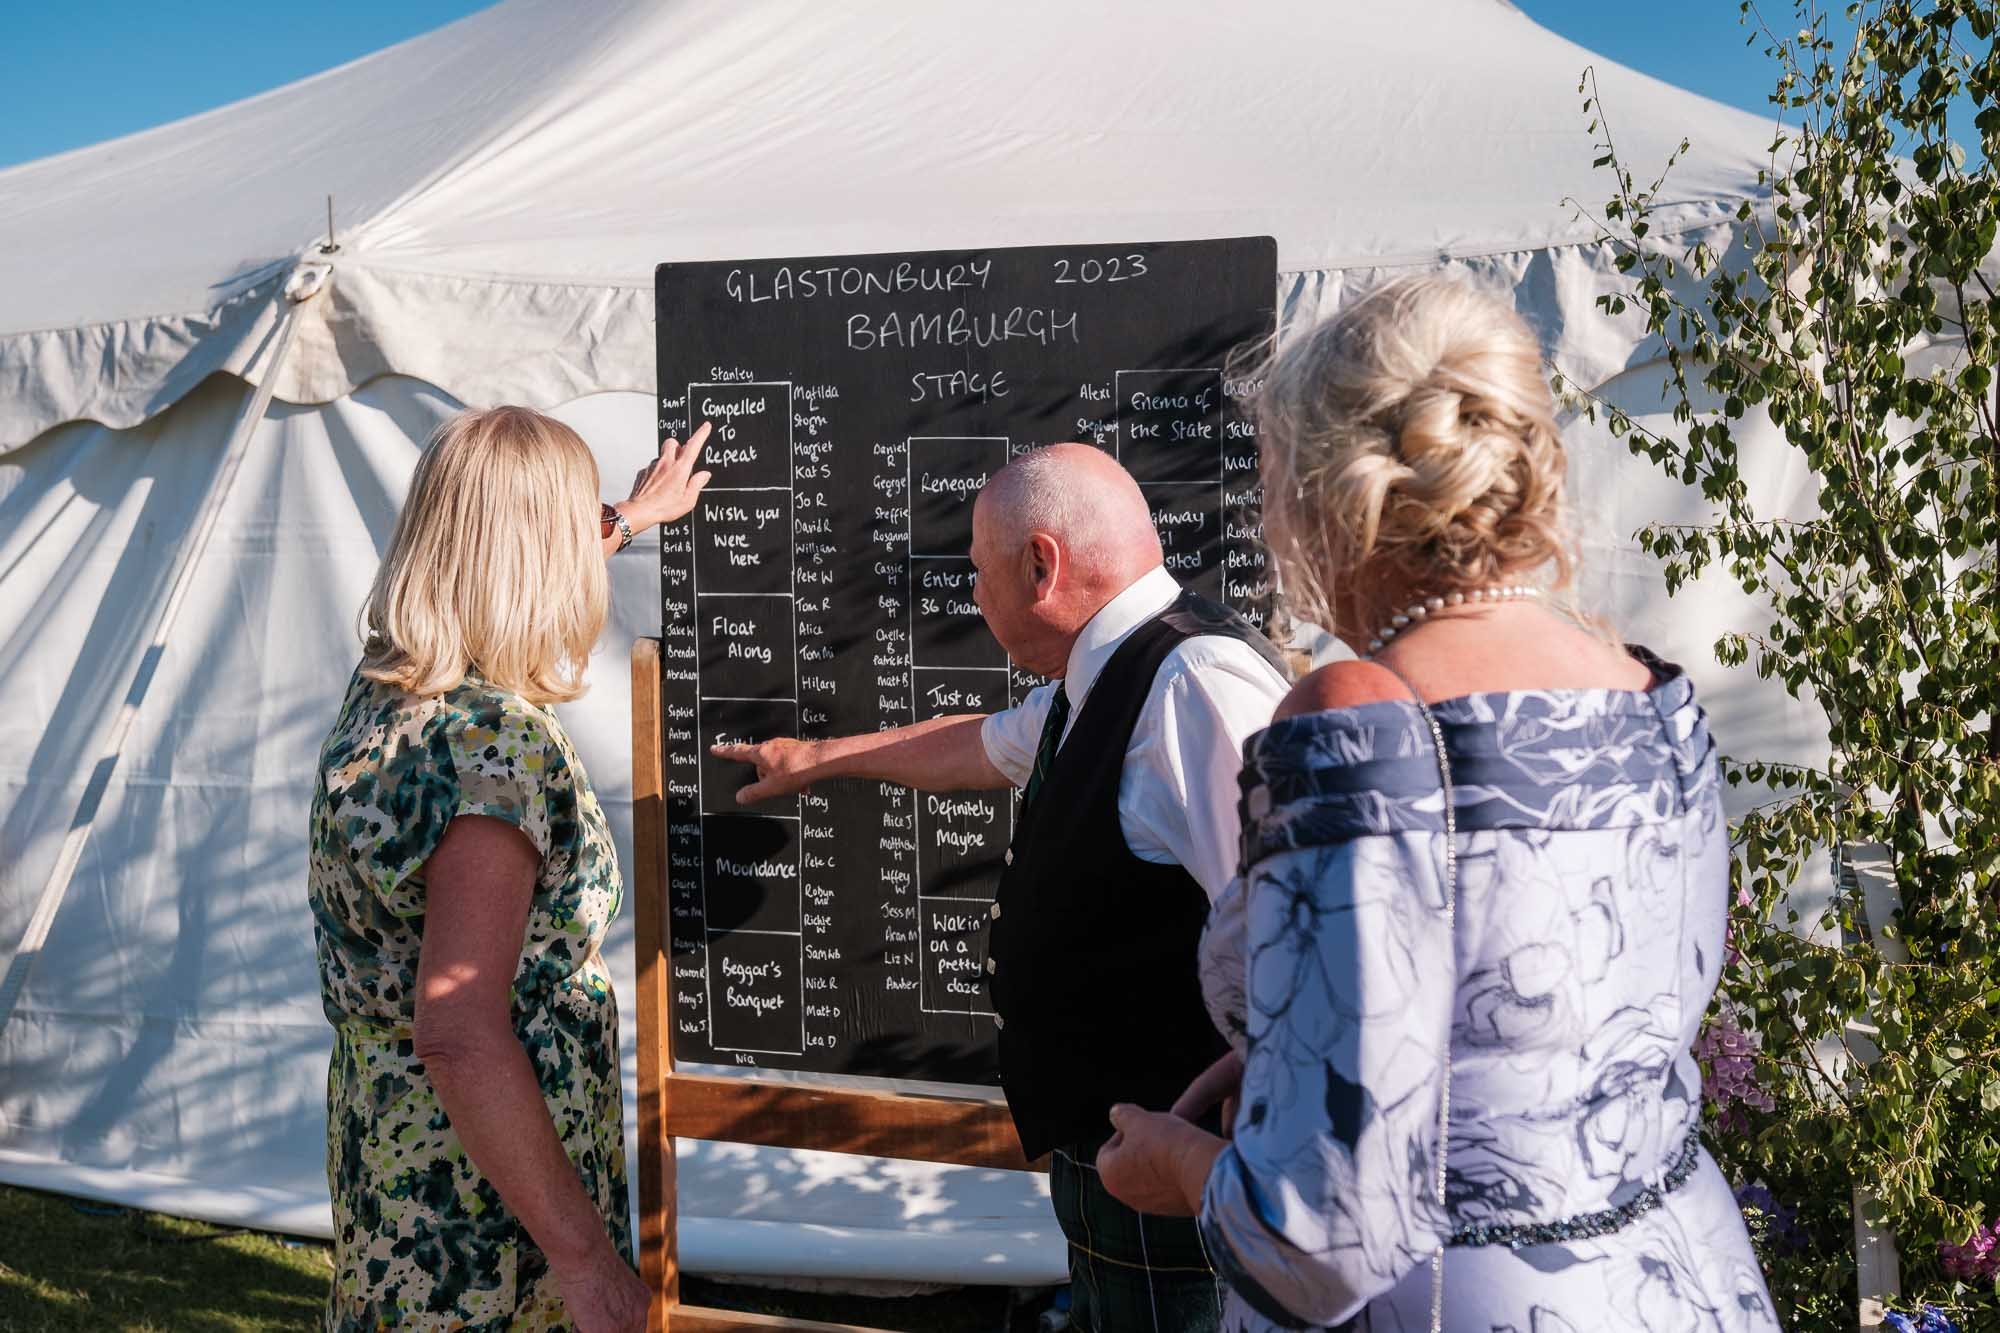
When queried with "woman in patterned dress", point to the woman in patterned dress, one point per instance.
{"points": [[462, 878], [1413, 483]]}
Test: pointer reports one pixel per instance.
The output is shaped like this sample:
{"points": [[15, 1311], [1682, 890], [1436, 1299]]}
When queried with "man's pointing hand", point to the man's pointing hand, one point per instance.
{"points": [[784, 766]]}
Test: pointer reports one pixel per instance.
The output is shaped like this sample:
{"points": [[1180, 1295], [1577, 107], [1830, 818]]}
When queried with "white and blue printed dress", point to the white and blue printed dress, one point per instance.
{"points": [[1592, 893]]}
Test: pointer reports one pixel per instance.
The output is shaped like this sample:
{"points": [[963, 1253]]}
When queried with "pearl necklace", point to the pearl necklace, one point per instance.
{"points": [[1417, 613]]}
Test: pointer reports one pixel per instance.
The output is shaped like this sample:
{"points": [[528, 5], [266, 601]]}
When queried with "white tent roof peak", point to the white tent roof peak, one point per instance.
{"points": [[527, 166]]}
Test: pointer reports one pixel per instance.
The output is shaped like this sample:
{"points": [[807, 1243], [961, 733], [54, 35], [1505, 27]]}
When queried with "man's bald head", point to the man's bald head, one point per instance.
{"points": [[1056, 534], [1080, 496]]}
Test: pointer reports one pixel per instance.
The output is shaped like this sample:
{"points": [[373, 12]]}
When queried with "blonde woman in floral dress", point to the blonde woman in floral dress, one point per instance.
{"points": [[462, 879]]}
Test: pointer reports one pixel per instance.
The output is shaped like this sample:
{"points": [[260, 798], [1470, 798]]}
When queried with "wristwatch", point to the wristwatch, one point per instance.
{"points": [[609, 520]]}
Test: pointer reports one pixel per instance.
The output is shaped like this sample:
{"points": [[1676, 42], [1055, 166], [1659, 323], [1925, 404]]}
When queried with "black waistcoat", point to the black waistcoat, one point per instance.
{"points": [[1093, 949]]}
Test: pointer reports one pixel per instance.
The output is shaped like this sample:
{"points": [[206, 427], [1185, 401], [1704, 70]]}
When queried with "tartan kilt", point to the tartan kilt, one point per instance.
{"points": [[1129, 1272]]}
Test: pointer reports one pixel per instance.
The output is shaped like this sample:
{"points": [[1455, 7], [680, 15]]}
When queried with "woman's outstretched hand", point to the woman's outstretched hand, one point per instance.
{"points": [[666, 489]]}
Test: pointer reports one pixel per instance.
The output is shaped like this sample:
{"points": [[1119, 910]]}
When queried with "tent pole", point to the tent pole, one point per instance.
{"points": [[296, 293]]}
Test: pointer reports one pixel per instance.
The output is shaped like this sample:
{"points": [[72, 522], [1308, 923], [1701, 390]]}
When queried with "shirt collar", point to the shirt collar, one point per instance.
{"points": [[1144, 598]]}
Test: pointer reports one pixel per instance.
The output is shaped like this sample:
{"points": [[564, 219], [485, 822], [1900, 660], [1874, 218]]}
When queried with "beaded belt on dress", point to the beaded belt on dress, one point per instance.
{"points": [[1584, 1226]]}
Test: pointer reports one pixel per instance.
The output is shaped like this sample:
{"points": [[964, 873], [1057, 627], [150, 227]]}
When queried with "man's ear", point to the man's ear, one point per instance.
{"points": [[1042, 564]]}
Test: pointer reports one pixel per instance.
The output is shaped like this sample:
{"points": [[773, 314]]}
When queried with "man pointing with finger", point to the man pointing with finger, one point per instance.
{"points": [[1127, 831]]}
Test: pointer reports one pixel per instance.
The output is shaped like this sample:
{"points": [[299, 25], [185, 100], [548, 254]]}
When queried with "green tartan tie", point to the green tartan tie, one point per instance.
{"points": [[1045, 751]]}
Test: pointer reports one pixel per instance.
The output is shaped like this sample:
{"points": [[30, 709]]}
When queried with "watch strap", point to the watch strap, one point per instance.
{"points": [[610, 520]]}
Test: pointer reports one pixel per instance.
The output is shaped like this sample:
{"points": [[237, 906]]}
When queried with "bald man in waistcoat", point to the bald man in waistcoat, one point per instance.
{"points": [[1127, 831]]}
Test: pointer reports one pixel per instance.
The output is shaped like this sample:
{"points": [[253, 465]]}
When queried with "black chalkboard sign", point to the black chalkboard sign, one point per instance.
{"points": [[822, 588]]}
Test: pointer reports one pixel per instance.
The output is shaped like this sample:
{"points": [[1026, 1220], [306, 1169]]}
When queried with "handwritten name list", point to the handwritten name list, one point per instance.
{"points": [[823, 587]]}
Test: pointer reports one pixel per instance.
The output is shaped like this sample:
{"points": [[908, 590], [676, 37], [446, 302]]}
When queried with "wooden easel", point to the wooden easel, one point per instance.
{"points": [[958, 1131]]}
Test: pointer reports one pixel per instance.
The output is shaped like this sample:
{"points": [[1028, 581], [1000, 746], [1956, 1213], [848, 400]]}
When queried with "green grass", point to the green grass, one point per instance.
{"points": [[62, 1269], [67, 1266]]}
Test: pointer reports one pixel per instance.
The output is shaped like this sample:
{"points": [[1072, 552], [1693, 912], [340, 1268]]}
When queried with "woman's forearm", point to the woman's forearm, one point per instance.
{"points": [[665, 492], [487, 1087]]}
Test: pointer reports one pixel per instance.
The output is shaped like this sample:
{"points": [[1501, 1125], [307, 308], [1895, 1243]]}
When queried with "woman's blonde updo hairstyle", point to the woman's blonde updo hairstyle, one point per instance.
{"points": [[1410, 450], [496, 565]]}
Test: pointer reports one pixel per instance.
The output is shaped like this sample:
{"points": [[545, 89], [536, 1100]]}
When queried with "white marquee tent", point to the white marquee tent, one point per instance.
{"points": [[502, 189]]}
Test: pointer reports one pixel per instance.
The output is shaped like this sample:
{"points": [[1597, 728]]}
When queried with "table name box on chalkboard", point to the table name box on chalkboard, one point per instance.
{"points": [[823, 587]]}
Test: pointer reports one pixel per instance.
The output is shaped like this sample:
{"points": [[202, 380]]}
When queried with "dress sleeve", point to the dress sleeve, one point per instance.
{"points": [[1219, 962], [493, 760], [1323, 1200], [501, 758]]}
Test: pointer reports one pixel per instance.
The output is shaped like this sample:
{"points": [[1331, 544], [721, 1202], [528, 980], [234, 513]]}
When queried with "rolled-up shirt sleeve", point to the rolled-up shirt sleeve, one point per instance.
{"points": [[1011, 735], [1323, 1201]]}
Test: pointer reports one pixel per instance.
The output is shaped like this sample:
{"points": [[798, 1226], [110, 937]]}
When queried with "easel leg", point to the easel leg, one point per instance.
{"points": [[659, 1229], [666, 1282]]}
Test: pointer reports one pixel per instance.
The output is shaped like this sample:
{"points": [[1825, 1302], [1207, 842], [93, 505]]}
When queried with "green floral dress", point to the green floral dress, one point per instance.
{"points": [[421, 1238]]}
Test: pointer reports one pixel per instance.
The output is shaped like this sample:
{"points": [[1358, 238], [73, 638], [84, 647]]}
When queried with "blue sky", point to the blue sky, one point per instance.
{"points": [[72, 75]]}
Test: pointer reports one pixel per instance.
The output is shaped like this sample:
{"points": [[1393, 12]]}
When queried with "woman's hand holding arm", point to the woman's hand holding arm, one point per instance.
{"points": [[1157, 1162], [479, 884]]}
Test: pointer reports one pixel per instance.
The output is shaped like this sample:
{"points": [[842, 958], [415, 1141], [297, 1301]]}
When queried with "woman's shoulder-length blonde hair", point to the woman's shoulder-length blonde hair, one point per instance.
{"points": [[496, 566]]}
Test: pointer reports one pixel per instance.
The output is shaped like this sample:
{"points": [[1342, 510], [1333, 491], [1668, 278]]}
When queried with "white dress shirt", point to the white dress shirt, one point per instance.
{"points": [[1177, 793]]}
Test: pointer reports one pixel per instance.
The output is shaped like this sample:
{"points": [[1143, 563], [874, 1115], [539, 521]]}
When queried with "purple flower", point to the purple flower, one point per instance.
{"points": [[1929, 1320], [1728, 1057], [1976, 1259], [1771, 1223], [1758, 1196]]}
